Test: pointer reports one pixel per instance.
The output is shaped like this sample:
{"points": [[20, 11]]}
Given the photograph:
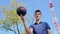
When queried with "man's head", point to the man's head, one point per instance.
{"points": [[37, 14]]}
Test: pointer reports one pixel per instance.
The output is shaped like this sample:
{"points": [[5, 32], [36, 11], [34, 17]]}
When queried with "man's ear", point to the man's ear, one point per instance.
{"points": [[41, 14]]}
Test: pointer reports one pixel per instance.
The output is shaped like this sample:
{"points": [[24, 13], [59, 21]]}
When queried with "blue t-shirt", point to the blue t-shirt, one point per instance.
{"points": [[40, 28]]}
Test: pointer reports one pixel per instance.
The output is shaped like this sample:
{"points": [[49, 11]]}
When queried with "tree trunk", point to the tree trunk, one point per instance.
{"points": [[14, 29], [18, 29]]}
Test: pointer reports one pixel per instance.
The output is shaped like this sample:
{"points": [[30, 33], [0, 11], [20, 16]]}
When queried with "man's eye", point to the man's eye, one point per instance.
{"points": [[39, 14], [35, 14]]}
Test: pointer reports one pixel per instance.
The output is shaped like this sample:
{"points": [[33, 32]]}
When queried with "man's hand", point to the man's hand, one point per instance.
{"points": [[23, 19]]}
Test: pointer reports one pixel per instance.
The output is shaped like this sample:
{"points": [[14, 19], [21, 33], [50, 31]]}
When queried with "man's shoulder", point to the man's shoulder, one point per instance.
{"points": [[44, 22], [40, 22]]}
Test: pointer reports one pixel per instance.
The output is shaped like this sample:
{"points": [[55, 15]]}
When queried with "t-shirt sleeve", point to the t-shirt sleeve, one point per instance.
{"points": [[31, 26], [47, 26]]}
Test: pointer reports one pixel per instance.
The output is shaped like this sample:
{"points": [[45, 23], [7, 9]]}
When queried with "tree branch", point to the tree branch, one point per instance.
{"points": [[8, 29], [14, 28], [18, 29]]}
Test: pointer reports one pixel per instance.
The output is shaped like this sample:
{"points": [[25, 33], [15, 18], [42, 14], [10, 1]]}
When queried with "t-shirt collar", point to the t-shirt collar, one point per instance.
{"points": [[39, 23]]}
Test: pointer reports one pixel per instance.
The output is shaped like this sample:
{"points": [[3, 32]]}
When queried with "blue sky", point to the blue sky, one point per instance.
{"points": [[32, 5]]}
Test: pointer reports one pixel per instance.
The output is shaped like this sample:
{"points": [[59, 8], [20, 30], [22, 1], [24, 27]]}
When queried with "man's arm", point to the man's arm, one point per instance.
{"points": [[28, 30], [49, 32]]}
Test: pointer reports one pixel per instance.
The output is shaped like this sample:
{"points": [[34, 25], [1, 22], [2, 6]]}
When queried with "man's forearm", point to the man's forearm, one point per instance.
{"points": [[27, 29], [49, 32]]}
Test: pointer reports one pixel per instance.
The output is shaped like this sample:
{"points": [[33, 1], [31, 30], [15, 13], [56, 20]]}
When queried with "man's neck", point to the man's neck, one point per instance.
{"points": [[37, 21]]}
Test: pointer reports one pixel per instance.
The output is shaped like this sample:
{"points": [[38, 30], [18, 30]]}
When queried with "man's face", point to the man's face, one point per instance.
{"points": [[37, 15]]}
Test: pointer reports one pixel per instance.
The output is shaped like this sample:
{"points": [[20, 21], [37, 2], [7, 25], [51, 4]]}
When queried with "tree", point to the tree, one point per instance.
{"points": [[12, 20]]}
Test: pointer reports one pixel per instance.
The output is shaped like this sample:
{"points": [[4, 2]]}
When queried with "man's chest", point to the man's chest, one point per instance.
{"points": [[39, 28]]}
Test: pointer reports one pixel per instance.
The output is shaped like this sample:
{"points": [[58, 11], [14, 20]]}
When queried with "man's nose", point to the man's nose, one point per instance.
{"points": [[37, 16]]}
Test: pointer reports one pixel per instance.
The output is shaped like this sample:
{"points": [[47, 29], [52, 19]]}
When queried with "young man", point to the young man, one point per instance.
{"points": [[38, 27]]}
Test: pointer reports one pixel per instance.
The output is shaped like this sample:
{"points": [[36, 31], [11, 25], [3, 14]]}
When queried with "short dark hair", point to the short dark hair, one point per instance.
{"points": [[38, 11]]}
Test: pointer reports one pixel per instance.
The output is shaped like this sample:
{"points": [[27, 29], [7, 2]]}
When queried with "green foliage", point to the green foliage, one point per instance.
{"points": [[12, 16]]}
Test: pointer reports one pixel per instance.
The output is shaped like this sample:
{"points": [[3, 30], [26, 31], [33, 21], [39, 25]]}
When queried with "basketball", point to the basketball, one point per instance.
{"points": [[21, 10]]}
